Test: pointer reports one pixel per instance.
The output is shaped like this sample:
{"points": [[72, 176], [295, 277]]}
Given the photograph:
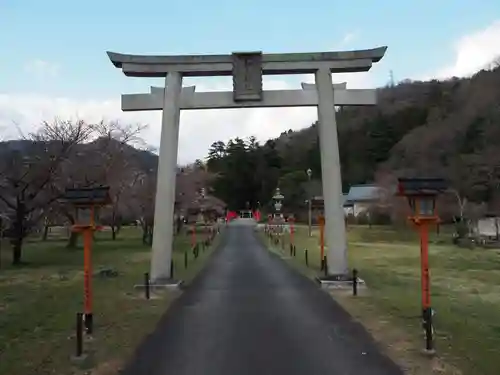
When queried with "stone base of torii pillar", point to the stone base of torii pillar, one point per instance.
{"points": [[160, 284], [341, 282]]}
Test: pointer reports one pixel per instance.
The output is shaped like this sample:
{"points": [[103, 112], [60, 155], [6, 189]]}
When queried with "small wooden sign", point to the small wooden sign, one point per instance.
{"points": [[247, 76]]}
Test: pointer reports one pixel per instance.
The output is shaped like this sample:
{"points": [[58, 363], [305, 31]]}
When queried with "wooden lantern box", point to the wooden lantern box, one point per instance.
{"points": [[87, 203], [421, 194]]}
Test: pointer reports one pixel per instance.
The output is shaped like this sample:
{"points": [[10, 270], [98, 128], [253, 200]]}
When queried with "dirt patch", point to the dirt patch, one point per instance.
{"points": [[394, 341], [139, 295], [108, 368]]}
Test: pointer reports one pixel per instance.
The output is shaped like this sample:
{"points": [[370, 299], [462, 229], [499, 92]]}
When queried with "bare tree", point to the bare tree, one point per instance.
{"points": [[461, 202], [29, 172], [49, 218], [142, 203], [117, 165], [396, 207], [4, 224]]}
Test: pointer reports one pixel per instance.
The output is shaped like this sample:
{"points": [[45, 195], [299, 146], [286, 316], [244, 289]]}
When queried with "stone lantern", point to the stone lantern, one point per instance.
{"points": [[278, 203]]}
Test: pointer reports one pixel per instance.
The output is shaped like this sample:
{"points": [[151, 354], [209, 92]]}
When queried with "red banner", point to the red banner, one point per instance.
{"points": [[231, 215], [256, 215]]}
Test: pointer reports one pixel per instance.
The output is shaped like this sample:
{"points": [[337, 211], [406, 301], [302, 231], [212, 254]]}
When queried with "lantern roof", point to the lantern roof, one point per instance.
{"points": [[278, 195], [88, 196], [421, 186]]}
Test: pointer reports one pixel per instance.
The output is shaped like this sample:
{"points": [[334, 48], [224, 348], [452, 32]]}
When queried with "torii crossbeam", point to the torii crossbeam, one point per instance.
{"points": [[247, 69], [190, 99]]}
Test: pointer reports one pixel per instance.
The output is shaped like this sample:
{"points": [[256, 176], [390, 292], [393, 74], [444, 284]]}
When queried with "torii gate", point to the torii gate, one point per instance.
{"points": [[247, 69]]}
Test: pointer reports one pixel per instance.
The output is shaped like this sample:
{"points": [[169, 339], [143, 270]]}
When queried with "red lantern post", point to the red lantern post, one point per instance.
{"points": [[87, 202], [421, 194], [322, 239], [193, 235]]}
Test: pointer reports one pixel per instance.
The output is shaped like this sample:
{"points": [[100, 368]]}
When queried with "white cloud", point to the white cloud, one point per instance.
{"points": [[42, 69], [199, 129], [349, 38], [473, 52]]}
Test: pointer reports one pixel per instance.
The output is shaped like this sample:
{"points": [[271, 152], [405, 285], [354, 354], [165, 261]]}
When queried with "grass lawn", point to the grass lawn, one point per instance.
{"points": [[38, 303], [465, 295]]}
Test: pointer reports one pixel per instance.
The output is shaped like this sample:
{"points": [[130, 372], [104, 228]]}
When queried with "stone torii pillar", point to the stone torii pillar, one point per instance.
{"points": [[247, 69], [166, 176], [330, 174]]}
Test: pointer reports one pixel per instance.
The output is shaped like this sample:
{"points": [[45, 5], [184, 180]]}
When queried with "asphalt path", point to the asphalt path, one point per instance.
{"points": [[249, 313]]}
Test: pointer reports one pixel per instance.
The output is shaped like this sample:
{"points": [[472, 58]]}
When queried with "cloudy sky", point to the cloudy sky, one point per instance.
{"points": [[53, 61]]}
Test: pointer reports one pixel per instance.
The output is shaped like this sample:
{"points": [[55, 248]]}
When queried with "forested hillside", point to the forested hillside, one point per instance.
{"points": [[440, 128]]}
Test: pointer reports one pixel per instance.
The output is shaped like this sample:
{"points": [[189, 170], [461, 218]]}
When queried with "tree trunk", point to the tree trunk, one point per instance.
{"points": [[115, 225], [72, 240], [45, 232], [150, 235], [179, 226], [17, 246], [1, 239], [17, 240], [497, 234], [144, 236], [72, 236]]}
